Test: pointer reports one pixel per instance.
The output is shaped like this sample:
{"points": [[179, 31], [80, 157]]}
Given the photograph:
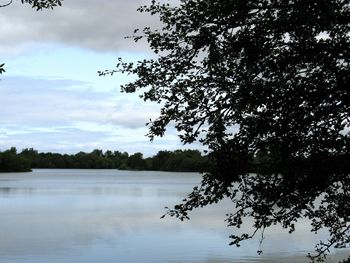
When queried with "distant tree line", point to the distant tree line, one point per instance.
{"points": [[175, 161], [178, 161], [10, 161]]}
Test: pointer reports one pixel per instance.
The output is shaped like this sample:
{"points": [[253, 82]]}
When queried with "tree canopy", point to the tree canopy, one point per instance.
{"points": [[257, 78], [10, 161], [175, 161], [37, 4]]}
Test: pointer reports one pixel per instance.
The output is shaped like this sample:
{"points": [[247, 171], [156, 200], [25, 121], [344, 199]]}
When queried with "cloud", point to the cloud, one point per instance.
{"points": [[51, 97], [95, 24], [63, 115], [83, 137], [30, 101]]}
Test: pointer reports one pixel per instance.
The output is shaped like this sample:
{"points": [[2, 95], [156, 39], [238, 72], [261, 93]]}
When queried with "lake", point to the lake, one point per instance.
{"points": [[114, 216]]}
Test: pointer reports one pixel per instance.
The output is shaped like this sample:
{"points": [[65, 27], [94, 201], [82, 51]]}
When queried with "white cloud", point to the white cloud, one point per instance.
{"points": [[95, 24], [48, 115], [51, 97], [27, 101]]}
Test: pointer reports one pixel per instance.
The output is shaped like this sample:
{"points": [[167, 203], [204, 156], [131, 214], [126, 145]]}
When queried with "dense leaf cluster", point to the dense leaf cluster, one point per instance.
{"points": [[10, 161], [38, 4], [43, 4], [251, 77], [178, 161]]}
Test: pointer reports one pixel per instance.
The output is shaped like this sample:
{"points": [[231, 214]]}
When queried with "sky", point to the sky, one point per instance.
{"points": [[51, 96]]}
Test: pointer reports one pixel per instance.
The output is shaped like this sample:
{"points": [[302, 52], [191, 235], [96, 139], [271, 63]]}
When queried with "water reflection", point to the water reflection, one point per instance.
{"points": [[5, 191], [113, 216]]}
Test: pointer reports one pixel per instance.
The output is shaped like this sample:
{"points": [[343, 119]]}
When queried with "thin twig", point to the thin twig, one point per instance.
{"points": [[6, 4]]}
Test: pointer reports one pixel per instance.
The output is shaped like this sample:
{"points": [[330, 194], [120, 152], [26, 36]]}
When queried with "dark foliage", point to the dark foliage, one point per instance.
{"points": [[43, 4], [11, 162], [177, 161], [346, 260], [2, 70], [38, 4], [251, 78]]}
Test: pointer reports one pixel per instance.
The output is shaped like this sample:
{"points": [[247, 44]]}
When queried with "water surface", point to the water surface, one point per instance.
{"points": [[114, 216]]}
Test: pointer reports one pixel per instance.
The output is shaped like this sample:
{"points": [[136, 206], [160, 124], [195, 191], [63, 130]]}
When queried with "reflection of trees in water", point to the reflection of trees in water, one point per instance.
{"points": [[16, 190], [256, 78]]}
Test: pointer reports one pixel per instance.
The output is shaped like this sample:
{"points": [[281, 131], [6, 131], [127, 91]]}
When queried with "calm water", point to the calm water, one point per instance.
{"points": [[114, 216]]}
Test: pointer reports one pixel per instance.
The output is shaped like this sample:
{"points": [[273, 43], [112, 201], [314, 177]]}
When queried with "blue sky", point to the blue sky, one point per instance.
{"points": [[51, 96]]}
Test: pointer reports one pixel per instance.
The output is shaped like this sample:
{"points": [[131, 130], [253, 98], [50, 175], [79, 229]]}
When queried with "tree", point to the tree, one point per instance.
{"points": [[10, 161], [31, 155], [247, 77], [136, 162], [38, 4], [159, 160]]}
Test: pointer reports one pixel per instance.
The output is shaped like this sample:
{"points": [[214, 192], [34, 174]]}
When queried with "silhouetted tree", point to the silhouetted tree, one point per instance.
{"points": [[11, 162], [31, 155], [37, 4], [251, 77], [120, 159], [160, 159], [136, 162], [178, 161]]}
